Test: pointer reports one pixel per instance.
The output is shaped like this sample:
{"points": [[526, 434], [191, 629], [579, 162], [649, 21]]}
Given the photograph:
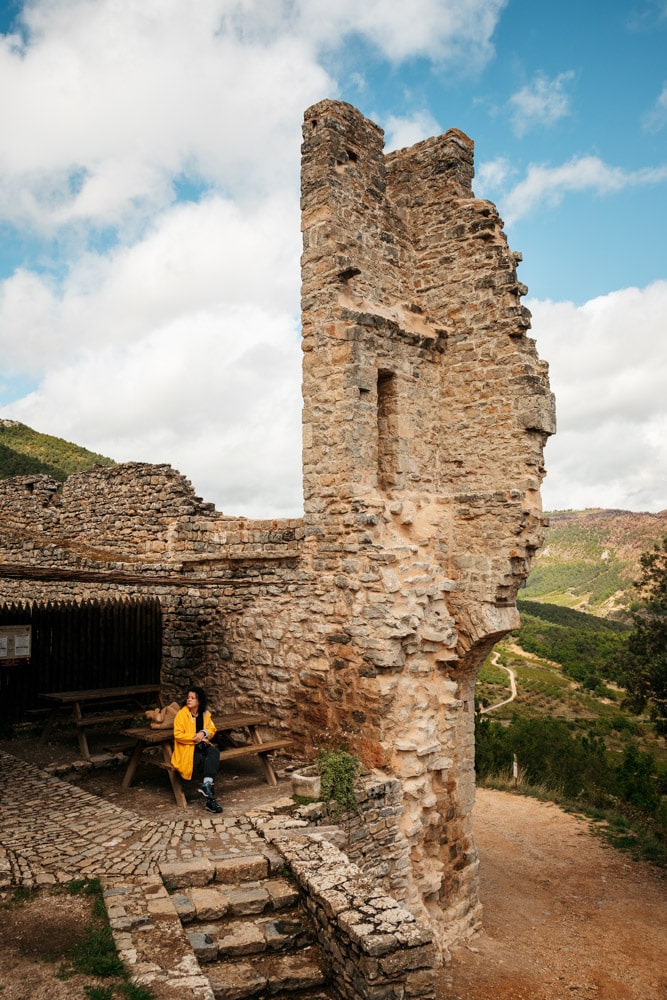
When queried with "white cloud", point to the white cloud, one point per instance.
{"points": [[608, 368], [111, 102], [548, 185], [442, 30], [216, 394], [656, 118], [403, 132], [183, 348], [206, 256], [542, 102], [492, 175]]}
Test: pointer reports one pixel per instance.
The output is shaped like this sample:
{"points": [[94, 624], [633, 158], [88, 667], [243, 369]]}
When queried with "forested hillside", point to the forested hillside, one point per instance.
{"points": [[25, 452], [590, 559], [570, 730], [587, 648]]}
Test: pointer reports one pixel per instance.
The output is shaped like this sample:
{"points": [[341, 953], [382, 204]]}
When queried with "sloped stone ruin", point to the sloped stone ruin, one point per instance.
{"points": [[426, 409]]}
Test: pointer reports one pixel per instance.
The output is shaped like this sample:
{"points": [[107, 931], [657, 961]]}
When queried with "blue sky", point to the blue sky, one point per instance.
{"points": [[149, 220]]}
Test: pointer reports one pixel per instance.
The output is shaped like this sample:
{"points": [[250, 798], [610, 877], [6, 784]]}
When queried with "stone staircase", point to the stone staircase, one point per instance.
{"points": [[250, 931]]}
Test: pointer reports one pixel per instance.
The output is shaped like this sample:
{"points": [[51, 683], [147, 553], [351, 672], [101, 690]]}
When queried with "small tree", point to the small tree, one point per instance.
{"points": [[646, 652]]}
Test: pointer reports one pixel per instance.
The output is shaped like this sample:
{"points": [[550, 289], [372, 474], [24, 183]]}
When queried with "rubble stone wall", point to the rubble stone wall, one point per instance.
{"points": [[375, 948], [426, 409]]}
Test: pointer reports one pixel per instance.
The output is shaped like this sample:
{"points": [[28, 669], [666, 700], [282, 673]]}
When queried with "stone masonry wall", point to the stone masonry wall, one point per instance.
{"points": [[426, 409], [370, 833], [375, 948], [135, 529]]}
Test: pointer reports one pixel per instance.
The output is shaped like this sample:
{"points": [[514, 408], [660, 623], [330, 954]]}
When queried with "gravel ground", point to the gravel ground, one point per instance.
{"points": [[564, 915]]}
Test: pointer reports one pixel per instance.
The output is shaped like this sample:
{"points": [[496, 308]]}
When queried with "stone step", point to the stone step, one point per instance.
{"points": [[230, 939], [213, 901], [222, 869], [267, 975]]}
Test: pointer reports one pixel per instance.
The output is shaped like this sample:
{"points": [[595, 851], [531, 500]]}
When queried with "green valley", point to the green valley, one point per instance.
{"points": [[573, 739], [590, 559]]}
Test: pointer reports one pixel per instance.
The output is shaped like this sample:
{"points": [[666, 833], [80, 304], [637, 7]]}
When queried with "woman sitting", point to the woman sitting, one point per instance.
{"points": [[194, 754]]}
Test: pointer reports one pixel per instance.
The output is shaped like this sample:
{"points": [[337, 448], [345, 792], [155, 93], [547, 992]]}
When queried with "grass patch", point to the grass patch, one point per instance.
{"points": [[98, 992], [303, 800], [491, 674], [95, 955], [19, 896]]}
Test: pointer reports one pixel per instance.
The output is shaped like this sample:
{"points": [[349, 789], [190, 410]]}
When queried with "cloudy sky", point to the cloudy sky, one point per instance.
{"points": [[149, 217]]}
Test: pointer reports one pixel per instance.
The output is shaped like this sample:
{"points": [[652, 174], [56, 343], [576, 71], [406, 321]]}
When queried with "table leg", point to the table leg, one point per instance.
{"points": [[128, 778], [81, 732], [48, 725], [268, 769], [174, 777], [269, 773]]}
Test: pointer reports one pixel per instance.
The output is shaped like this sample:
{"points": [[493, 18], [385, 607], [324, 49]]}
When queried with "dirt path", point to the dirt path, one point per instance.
{"points": [[495, 660], [564, 915]]}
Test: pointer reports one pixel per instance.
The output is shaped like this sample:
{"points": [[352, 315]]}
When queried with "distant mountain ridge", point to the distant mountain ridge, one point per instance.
{"points": [[25, 452], [590, 559]]}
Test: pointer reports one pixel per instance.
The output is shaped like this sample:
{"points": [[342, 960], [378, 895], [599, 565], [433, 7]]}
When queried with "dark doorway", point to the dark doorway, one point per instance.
{"points": [[75, 645]]}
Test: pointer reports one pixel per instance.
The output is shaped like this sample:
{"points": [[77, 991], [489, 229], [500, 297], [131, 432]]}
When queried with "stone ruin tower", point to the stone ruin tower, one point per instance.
{"points": [[426, 409]]}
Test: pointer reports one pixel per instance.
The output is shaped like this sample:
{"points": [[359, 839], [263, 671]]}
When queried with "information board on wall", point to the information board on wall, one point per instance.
{"points": [[15, 644]]}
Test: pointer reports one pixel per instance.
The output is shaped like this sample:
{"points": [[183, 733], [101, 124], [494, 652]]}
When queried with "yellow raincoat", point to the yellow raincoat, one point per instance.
{"points": [[185, 729]]}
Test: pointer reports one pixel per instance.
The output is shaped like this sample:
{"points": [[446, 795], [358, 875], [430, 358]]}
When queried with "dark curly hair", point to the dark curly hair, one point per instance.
{"points": [[201, 697]]}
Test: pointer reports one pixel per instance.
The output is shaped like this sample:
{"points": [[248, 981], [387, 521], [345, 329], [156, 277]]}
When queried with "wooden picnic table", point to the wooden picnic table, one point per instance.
{"points": [[92, 706], [146, 738]]}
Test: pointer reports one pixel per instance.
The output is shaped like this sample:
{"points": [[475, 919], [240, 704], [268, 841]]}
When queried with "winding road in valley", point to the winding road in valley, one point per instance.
{"points": [[495, 660]]}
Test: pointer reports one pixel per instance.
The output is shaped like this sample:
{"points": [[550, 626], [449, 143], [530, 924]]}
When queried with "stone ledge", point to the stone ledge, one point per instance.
{"points": [[374, 946]]}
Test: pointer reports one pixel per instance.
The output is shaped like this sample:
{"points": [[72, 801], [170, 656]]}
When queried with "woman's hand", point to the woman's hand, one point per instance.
{"points": [[201, 737]]}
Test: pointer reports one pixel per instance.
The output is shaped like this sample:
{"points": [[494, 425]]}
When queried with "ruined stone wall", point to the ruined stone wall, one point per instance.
{"points": [[375, 948], [136, 529], [426, 409]]}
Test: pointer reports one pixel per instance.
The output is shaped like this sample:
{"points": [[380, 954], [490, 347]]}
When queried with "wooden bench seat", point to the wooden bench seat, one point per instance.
{"points": [[261, 749], [93, 720], [91, 706], [230, 753]]}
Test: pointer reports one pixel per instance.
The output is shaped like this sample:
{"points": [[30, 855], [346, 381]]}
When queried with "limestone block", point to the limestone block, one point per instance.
{"points": [[246, 868], [209, 904], [187, 873]]}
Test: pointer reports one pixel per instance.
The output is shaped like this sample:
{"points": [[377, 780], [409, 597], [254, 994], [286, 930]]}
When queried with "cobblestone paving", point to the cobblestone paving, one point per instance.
{"points": [[52, 831]]}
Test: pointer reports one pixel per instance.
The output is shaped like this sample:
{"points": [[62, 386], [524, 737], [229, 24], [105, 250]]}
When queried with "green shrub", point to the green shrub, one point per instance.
{"points": [[339, 771], [552, 754]]}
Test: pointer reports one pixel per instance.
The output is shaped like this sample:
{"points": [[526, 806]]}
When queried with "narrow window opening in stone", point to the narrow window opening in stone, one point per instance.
{"points": [[387, 396], [352, 156]]}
